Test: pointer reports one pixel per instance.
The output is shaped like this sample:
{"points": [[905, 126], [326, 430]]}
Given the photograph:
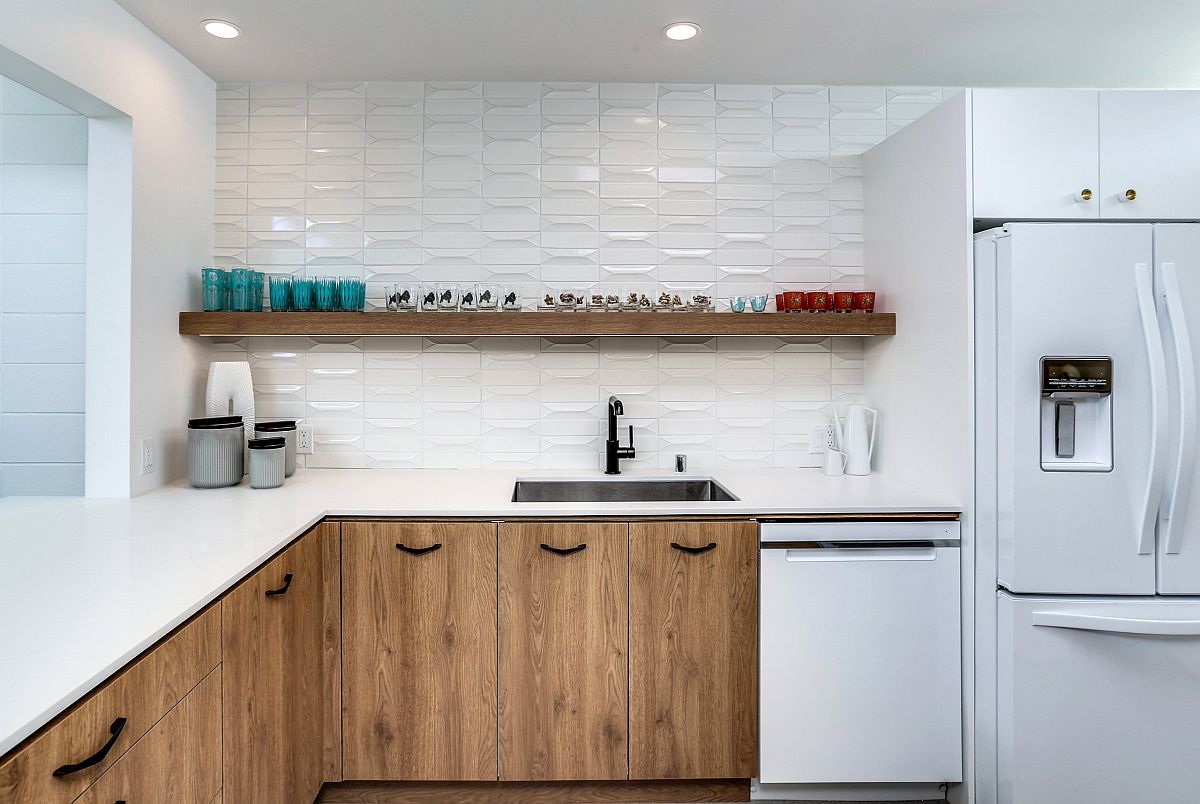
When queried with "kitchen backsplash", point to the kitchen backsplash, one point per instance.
{"points": [[43, 206], [731, 188]]}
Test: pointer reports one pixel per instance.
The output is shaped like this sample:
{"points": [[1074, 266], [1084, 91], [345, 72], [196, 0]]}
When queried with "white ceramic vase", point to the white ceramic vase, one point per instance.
{"points": [[231, 393]]}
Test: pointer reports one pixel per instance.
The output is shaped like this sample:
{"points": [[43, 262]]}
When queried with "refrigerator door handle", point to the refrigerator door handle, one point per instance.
{"points": [[1144, 282], [1181, 340], [1115, 625]]}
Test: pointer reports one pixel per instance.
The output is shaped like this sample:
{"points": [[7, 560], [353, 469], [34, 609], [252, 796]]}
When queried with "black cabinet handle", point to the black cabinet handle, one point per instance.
{"points": [[419, 551], [564, 551], [98, 757], [694, 550], [287, 581]]}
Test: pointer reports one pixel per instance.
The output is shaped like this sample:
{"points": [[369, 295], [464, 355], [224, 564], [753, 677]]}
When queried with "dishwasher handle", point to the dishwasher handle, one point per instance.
{"points": [[862, 553]]}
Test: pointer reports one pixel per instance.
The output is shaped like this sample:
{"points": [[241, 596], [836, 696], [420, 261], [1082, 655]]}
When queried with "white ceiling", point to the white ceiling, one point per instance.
{"points": [[1115, 43]]}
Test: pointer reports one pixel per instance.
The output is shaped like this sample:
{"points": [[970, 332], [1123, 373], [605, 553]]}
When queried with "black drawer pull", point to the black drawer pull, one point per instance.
{"points": [[287, 581], [98, 757], [564, 551], [419, 551], [694, 550]]}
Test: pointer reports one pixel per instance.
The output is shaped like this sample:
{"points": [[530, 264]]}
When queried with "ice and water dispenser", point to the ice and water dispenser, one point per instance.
{"points": [[1077, 427]]}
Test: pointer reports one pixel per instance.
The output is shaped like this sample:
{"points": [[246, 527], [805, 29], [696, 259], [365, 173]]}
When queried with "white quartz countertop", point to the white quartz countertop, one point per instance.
{"points": [[88, 584]]}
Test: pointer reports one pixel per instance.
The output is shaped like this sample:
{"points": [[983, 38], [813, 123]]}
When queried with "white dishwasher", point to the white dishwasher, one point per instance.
{"points": [[860, 652]]}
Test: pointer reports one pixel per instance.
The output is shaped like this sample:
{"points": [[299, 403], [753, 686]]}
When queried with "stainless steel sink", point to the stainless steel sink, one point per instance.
{"points": [[682, 489]]}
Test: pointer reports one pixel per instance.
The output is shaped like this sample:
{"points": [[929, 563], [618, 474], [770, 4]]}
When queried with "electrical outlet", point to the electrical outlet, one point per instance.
{"points": [[147, 450], [304, 439], [821, 439]]}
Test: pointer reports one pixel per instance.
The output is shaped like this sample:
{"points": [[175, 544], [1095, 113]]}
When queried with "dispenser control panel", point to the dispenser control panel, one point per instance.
{"points": [[1076, 414], [1088, 375]]}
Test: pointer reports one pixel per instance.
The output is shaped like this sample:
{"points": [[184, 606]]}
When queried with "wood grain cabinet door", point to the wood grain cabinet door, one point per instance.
{"points": [[563, 651], [693, 657], [419, 650], [177, 761], [274, 666], [95, 733]]}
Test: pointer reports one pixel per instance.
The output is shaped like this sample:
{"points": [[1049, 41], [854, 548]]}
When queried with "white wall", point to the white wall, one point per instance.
{"points": [[917, 191], [43, 205], [733, 189], [97, 47]]}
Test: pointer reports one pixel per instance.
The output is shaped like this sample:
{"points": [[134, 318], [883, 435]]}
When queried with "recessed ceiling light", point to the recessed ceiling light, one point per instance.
{"points": [[680, 31], [222, 29]]}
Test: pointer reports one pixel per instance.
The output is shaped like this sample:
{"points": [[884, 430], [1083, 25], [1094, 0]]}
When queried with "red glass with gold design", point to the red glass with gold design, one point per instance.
{"points": [[820, 301]]}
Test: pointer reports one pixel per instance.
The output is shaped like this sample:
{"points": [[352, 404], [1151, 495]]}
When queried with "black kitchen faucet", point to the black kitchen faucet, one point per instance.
{"points": [[613, 451]]}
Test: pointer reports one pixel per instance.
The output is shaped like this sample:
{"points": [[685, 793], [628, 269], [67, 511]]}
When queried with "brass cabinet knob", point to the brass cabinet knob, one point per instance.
{"points": [[1085, 194], [1130, 195]]}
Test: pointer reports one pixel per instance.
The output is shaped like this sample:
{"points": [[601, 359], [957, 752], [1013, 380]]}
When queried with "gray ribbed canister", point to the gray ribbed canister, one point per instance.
{"points": [[285, 428], [214, 451], [267, 462]]}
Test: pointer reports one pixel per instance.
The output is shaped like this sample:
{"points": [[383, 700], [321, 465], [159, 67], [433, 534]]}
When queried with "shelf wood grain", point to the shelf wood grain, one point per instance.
{"points": [[530, 323]]}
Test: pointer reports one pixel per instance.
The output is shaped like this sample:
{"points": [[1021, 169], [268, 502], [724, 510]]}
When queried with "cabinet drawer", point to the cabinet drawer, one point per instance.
{"points": [[178, 761], [129, 705]]}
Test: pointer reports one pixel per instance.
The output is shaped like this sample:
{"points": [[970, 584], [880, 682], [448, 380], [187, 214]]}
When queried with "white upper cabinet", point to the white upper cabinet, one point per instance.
{"points": [[1149, 159], [1036, 153]]}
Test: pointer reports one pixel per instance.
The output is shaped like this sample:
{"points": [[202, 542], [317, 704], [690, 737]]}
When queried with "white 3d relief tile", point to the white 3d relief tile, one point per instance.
{"points": [[733, 189]]}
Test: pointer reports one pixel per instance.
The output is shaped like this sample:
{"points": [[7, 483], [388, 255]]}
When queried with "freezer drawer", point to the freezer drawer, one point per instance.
{"points": [[1098, 700], [860, 654]]}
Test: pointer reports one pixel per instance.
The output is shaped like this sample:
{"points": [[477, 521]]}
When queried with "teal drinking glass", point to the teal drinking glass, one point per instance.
{"points": [[281, 293], [352, 293], [302, 293], [241, 288], [325, 291], [214, 288], [256, 291]]}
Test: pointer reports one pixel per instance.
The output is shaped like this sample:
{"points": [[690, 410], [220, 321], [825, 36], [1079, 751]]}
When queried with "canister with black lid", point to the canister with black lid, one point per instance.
{"points": [[214, 451], [266, 462], [285, 428]]}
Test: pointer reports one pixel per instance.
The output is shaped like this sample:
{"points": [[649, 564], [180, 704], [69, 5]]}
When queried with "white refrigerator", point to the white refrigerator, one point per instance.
{"points": [[1087, 337]]}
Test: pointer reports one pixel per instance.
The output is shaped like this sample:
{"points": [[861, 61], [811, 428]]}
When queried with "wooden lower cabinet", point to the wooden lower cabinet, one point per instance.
{"points": [[178, 761], [129, 704], [693, 657], [275, 654], [451, 651], [563, 662], [419, 650]]}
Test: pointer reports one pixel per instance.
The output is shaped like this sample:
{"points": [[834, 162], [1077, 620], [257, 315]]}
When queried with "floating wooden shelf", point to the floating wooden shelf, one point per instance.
{"points": [[554, 324]]}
